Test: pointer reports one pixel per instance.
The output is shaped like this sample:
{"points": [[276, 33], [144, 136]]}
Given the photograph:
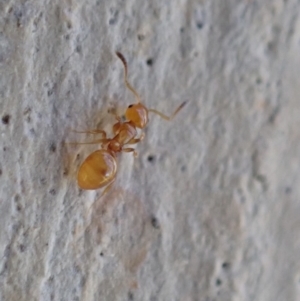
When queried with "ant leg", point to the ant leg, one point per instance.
{"points": [[168, 117], [128, 85], [93, 132], [107, 188], [92, 142], [129, 150], [118, 118], [116, 128], [136, 140]]}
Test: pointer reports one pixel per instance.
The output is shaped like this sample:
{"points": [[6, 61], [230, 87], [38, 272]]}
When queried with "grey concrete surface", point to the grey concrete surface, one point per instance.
{"points": [[210, 209]]}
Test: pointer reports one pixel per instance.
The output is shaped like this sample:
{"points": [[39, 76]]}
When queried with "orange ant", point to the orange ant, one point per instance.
{"points": [[99, 168]]}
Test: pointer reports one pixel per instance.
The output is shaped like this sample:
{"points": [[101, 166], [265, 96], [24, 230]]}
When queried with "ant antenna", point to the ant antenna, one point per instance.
{"points": [[168, 117], [123, 60]]}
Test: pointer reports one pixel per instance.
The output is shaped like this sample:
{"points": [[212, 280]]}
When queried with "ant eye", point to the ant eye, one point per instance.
{"points": [[130, 106]]}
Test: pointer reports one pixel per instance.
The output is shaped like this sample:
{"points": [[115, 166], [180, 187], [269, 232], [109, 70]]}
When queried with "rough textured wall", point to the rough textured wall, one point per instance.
{"points": [[210, 208]]}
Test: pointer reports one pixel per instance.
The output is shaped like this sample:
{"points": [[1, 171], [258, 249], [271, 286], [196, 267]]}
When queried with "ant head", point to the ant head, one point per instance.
{"points": [[137, 114]]}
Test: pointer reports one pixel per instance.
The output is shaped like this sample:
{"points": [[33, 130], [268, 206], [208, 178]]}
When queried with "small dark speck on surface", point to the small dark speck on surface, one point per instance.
{"points": [[50, 92], [114, 19], [7, 251], [130, 296], [225, 265], [200, 25], [288, 190], [101, 254], [22, 248], [258, 81], [53, 147], [218, 282], [43, 181], [274, 115], [53, 191], [78, 49], [141, 37], [151, 158], [183, 168], [32, 132], [0, 171], [155, 222], [6, 119], [66, 172], [19, 16], [69, 25], [149, 62]]}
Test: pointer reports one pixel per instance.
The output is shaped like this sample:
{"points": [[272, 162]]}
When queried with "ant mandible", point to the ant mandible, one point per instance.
{"points": [[99, 169]]}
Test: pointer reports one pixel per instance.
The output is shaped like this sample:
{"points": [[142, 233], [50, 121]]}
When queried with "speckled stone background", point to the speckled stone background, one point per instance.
{"points": [[210, 210]]}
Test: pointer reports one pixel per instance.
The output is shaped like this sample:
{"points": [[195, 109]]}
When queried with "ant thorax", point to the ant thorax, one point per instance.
{"points": [[114, 146]]}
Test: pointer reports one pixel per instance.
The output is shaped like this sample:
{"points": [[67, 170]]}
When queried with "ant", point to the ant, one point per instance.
{"points": [[99, 169]]}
